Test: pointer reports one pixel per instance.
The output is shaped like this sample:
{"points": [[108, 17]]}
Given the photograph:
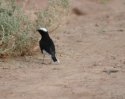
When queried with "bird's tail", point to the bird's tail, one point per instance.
{"points": [[55, 59]]}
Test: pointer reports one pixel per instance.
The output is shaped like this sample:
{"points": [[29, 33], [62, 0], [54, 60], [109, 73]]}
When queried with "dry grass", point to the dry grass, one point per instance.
{"points": [[15, 30], [53, 15]]}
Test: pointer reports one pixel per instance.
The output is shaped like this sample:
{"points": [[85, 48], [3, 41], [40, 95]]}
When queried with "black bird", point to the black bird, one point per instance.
{"points": [[46, 44]]}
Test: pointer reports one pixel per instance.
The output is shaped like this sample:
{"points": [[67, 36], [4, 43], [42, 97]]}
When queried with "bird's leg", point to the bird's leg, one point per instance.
{"points": [[43, 58]]}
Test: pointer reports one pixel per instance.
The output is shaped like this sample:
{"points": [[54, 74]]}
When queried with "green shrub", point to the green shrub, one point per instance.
{"points": [[15, 30]]}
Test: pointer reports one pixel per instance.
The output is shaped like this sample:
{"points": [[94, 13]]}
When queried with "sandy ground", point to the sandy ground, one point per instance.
{"points": [[91, 48]]}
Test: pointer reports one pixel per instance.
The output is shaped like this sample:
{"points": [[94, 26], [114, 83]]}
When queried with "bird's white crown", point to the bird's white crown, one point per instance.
{"points": [[43, 29]]}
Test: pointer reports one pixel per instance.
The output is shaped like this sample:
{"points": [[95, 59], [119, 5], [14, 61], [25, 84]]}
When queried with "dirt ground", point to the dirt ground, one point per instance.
{"points": [[91, 49]]}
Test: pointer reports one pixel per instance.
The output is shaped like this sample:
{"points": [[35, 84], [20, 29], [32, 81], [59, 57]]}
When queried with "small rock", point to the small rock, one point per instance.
{"points": [[111, 71], [78, 12], [121, 30]]}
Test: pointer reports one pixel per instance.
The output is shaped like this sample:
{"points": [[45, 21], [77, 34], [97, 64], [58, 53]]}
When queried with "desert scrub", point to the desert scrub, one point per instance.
{"points": [[53, 15], [15, 30]]}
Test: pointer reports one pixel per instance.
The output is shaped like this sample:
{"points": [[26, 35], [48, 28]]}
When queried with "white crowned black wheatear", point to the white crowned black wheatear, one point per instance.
{"points": [[46, 44]]}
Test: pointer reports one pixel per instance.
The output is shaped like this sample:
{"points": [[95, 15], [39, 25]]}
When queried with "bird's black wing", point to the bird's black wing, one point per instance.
{"points": [[51, 48], [52, 51], [48, 46]]}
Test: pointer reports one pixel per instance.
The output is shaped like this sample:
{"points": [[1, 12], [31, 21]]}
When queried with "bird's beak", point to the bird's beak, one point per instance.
{"points": [[37, 30]]}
